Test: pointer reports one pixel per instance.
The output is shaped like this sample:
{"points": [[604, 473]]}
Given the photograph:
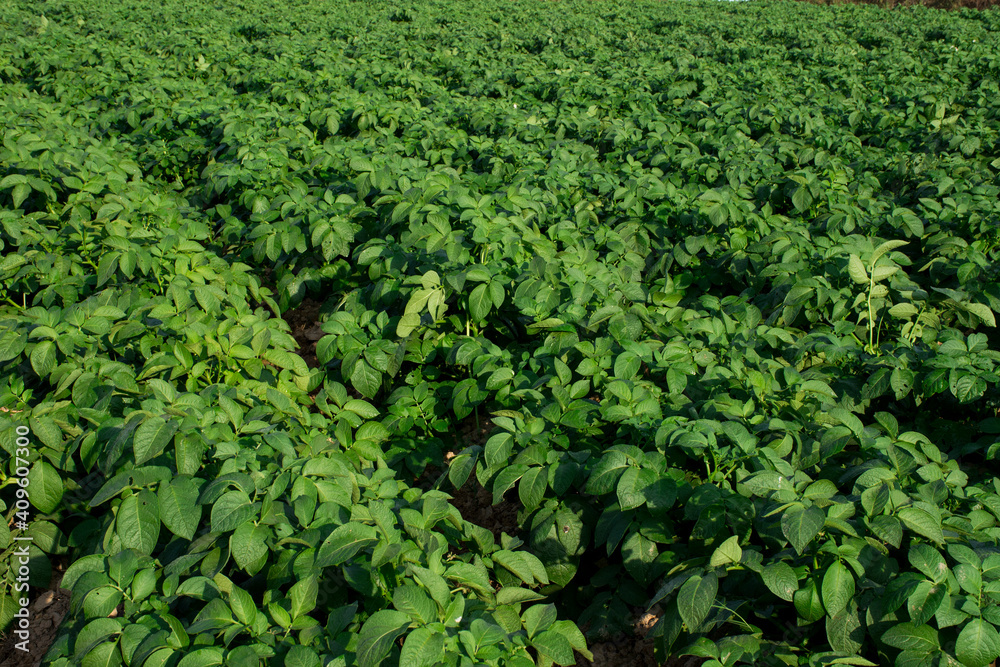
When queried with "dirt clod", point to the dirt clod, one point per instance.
{"points": [[46, 615], [635, 648], [476, 505], [304, 321]]}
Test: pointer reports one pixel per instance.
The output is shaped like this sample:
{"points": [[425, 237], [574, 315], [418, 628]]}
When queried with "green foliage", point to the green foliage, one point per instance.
{"points": [[718, 282]]}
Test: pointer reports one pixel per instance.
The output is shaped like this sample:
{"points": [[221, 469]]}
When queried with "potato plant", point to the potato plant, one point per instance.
{"points": [[719, 281]]}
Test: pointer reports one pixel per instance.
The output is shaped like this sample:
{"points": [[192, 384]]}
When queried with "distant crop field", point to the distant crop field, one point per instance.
{"points": [[430, 333]]}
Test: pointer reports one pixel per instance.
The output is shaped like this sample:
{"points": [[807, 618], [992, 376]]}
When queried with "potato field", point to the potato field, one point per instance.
{"points": [[499, 332]]}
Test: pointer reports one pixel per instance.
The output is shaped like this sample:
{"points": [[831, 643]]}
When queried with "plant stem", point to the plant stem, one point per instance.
{"points": [[871, 315]]}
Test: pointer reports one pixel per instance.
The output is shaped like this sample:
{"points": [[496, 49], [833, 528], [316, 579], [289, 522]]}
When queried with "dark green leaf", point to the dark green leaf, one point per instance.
{"points": [[978, 644], [838, 588], [695, 599], [924, 601], [366, 379], [781, 580], [531, 489], [480, 303], [605, 475], [921, 522], [304, 595], [12, 344], [138, 522], [912, 637], [45, 487], [554, 646], [845, 631], [151, 437], [808, 603], [801, 527], [231, 510], [378, 635], [43, 358], [413, 601], [423, 648], [928, 561], [179, 510], [638, 552], [538, 618], [344, 542]]}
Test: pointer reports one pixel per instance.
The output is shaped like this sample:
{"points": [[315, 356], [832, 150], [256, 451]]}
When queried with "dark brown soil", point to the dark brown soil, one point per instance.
{"points": [[472, 500], [635, 649], [304, 321], [476, 505], [429, 477], [47, 612], [472, 434], [626, 649]]}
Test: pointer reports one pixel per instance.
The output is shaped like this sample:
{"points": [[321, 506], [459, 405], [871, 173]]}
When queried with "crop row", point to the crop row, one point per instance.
{"points": [[718, 281]]}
